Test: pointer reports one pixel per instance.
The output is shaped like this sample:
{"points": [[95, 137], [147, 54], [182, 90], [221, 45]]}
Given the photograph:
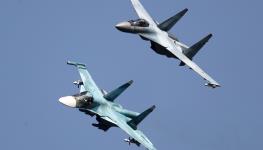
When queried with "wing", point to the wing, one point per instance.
{"points": [[174, 50], [142, 13], [88, 82], [135, 134]]}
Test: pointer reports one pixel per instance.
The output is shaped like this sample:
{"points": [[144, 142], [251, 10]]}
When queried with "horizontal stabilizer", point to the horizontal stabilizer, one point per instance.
{"points": [[192, 51], [137, 120], [111, 96], [169, 23]]}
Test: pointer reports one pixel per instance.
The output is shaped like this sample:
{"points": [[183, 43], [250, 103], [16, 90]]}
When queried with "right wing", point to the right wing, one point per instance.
{"points": [[142, 13], [88, 83], [135, 134], [212, 83]]}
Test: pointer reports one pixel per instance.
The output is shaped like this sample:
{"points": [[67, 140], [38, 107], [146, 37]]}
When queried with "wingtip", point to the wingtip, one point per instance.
{"points": [[212, 85]]}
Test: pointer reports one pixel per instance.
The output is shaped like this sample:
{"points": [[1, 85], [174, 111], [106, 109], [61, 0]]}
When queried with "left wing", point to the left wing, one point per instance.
{"points": [[135, 134], [174, 49], [142, 13]]}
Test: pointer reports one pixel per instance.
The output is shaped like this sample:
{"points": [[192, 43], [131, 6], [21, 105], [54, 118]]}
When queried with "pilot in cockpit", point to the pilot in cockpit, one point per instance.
{"points": [[139, 22]]}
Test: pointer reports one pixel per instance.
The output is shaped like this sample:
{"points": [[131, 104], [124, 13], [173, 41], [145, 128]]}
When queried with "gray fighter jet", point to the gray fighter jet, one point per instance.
{"points": [[96, 102], [164, 43]]}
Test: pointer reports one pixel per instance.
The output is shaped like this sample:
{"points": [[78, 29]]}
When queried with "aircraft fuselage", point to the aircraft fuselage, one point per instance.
{"points": [[148, 33]]}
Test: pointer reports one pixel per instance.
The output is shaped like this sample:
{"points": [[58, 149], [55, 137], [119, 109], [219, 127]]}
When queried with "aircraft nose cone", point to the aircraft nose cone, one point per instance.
{"points": [[69, 101], [122, 26]]}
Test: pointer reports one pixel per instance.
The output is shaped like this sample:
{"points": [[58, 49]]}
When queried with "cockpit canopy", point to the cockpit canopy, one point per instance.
{"points": [[84, 99], [139, 22], [84, 96]]}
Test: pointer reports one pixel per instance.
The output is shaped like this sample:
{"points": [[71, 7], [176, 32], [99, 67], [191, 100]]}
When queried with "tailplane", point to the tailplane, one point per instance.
{"points": [[137, 120], [194, 49], [169, 23]]}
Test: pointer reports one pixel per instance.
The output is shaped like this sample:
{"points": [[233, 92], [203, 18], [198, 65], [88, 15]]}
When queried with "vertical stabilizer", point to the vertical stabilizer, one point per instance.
{"points": [[111, 96], [169, 23], [137, 120], [194, 49]]}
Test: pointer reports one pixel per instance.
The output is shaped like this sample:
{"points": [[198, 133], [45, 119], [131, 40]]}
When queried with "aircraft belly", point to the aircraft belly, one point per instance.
{"points": [[159, 49], [162, 50]]}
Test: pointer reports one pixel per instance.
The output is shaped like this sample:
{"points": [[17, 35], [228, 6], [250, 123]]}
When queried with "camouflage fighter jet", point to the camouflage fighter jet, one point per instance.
{"points": [[94, 101]]}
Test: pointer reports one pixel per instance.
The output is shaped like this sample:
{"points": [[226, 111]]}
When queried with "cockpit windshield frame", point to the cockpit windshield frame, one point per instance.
{"points": [[139, 23]]}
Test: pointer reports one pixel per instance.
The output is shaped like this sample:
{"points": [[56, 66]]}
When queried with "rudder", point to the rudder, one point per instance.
{"points": [[137, 120], [194, 49]]}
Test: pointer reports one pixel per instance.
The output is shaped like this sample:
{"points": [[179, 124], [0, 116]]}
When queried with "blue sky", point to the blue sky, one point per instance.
{"points": [[38, 37]]}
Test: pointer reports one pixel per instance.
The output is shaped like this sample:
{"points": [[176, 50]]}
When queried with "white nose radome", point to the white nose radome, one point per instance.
{"points": [[69, 101], [123, 25]]}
